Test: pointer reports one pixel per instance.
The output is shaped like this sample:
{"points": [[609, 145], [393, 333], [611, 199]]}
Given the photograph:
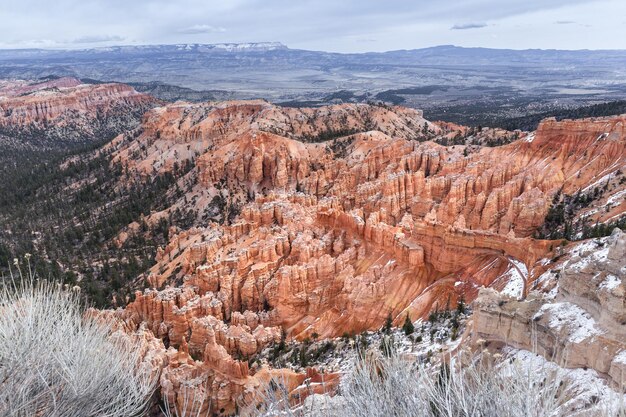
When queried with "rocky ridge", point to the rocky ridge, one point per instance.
{"points": [[65, 110], [326, 221], [576, 318]]}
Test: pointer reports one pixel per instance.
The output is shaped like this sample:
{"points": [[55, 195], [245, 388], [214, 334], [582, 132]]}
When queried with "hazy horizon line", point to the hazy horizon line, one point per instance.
{"points": [[131, 45]]}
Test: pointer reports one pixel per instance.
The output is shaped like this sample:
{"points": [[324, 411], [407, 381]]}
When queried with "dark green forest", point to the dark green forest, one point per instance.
{"points": [[68, 229], [481, 115]]}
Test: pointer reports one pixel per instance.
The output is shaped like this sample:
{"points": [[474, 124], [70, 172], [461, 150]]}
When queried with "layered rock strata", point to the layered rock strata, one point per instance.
{"points": [[580, 324], [66, 110], [326, 221]]}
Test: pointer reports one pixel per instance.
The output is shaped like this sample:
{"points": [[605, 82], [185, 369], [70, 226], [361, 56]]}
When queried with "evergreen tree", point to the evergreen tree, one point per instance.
{"points": [[460, 307], [408, 327]]}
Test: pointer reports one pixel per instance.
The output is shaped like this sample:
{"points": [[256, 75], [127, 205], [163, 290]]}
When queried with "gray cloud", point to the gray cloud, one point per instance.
{"points": [[564, 22], [465, 26], [316, 24], [98, 39], [197, 29]]}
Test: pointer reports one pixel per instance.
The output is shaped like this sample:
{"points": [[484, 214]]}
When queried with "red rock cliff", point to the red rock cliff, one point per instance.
{"points": [[334, 235]]}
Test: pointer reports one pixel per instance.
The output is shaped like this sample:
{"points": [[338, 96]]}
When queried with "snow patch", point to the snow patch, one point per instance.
{"points": [[553, 292], [254, 46], [588, 252], [616, 198], [515, 277], [544, 261], [599, 256], [587, 390], [578, 323], [610, 283], [602, 180], [620, 357], [515, 284]]}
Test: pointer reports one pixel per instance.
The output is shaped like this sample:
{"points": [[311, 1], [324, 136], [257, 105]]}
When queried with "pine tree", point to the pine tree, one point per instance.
{"points": [[408, 327], [460, 308]]}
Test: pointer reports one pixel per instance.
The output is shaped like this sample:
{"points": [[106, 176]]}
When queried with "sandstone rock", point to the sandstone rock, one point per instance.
{"points": [[333, 236], [582, 326], [65, 109]]}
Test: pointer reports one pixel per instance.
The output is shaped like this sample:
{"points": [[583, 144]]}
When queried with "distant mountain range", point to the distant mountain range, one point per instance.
{"points": [[143, 49], [452, 80], [436, 55]]}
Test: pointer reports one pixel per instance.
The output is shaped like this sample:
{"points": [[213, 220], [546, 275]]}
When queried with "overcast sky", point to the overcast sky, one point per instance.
{"points": [[330, 25]]}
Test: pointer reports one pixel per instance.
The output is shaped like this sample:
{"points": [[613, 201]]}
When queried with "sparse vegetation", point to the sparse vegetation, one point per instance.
{"points": [[483, 385], [518, 113], [56, 361], [559, 221], [76, 199], [329, 134], [531, 122]]}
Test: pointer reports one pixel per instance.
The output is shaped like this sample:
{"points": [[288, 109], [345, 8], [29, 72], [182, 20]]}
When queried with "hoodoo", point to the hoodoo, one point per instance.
{"points": [[327, 221]]}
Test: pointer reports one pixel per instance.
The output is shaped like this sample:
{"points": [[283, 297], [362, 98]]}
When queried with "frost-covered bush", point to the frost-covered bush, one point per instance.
{"points": [[482, 387], [191, 401], [391, 387], [57, 362]]}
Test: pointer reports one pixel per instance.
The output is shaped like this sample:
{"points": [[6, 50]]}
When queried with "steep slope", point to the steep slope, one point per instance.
{"points": [[59, 196], [579, 323], [64, 111], [329, 220]]}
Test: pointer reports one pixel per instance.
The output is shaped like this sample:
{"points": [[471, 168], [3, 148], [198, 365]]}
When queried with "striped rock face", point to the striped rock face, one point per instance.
{"points": [[65, 111], [326, 221]]}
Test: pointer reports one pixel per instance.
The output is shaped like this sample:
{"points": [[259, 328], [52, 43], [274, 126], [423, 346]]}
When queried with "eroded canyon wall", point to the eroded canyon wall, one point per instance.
{"points": [[325, 221]]}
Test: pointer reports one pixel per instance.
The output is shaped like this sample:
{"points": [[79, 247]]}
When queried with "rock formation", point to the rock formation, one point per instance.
{"points": [[67, 110], [328, 220], [580, 323]]}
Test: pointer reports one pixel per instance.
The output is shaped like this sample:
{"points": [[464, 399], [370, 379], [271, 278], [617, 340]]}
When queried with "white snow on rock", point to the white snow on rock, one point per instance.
{"points": [[520, 265], [576, 321], [551, 295], [585, 253], [600, 181], [610, 283], [515, 284], [588, 393], [616, 198], [548, 281], [530, 137], [265, 46], [620, 357], [515, 277]]}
